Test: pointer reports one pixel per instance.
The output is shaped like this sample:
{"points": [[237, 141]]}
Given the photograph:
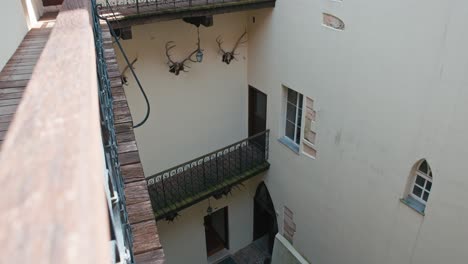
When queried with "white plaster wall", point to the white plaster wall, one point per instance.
{"points": [[196, 112], [390, 89], [18, 17], [191, 115], [11, 14], [285, 253], [184, 239], [33, 10]]}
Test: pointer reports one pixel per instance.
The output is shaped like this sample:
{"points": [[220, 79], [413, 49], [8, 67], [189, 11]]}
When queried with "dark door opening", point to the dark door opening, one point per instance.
{"points": [[265, 223], [257, 116], [257, 111], [51, 2], [216, 231]]}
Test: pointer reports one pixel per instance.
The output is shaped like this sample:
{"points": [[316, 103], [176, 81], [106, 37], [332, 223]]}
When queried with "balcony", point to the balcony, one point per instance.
{"points": [[213, 174], [128, 13]]}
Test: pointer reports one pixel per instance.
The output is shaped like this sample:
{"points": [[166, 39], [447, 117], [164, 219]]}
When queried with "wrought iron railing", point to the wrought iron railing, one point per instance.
{"points": [[140, 7], [120, 228], [213, 174]]}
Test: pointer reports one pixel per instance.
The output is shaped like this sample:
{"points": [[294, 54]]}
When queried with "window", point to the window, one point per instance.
{"points": [[291, 123], [420, 187], [293, 116], [422, 183]]}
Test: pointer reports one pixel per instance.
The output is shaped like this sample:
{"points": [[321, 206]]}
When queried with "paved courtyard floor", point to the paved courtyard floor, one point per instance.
{"points": [[255, 253]]}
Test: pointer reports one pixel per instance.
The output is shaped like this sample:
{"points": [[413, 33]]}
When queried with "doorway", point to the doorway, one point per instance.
{"points": [[257, 118], [265, 222], [52, 2], [257, 111], [216, 231]]}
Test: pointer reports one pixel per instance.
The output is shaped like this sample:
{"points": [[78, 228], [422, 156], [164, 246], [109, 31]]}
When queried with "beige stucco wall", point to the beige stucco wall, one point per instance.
{"points": [[285, 253], [33, 10], [191, 115], [184, 239], [11, 14], [18, 17], [389, 90], [196, 112]]}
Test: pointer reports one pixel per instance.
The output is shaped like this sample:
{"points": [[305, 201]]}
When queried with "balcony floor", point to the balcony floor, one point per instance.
{"points": [[16, 74], [160, 10]]}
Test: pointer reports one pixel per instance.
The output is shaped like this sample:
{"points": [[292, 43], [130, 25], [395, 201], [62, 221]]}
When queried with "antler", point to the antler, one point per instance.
{"points": [[131, 65], [174, 66], [189, 58], [239, 42], [169, 46], [123, 75], [219, 40], [228, 56]]}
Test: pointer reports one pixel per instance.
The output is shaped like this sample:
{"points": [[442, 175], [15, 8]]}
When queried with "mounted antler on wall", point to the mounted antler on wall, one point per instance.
{"points": [[177, 67], [174, 66], [228, 56], [123, 76]]}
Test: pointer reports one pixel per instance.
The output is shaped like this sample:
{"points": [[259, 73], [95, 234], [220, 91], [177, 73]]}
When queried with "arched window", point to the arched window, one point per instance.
{"points": [[422, 182], [420, 186]]}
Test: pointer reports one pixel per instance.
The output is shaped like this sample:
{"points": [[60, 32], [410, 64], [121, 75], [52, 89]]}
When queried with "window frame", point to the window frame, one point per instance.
{"points": [[298, 116], [427, 179], [412, 200]]}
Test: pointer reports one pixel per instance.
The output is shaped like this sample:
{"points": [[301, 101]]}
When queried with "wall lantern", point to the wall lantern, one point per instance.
{"points": [[199, 54]]}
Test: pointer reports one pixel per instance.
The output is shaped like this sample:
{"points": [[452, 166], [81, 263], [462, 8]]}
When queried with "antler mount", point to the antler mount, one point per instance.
{"points": [[228, 56], [177, 66]]}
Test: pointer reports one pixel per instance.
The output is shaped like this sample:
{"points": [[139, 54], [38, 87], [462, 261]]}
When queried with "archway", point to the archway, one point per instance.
{"points": [[265, 222]]}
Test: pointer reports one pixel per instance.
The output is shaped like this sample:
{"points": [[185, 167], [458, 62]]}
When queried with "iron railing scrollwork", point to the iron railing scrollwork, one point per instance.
{"points": [[213, 174], [121, 240]]}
